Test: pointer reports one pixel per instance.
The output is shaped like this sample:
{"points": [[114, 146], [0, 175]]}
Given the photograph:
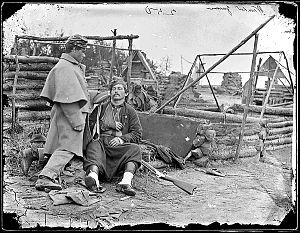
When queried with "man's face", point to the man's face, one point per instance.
{"points": [[79, 54], [118, 92]]}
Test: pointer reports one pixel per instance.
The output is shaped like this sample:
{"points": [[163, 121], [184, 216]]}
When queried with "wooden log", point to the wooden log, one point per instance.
{"points": [[278, 147], [276, 136], [31, 59], [30, 116], [26, 95], [41, 75], [213, 116], [268, 110], [278, 141], [33, 105], [280, 124], [280, 131], [100, 38], [32, 67], [29, 86]]}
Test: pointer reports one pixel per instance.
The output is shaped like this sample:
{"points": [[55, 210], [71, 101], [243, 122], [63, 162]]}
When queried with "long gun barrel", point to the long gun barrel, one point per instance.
{"points": [[189, 188]]}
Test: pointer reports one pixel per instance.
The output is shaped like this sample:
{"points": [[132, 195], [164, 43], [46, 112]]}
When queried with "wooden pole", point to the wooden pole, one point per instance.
{"points": [[113, 55], [186, 82], [119, 37], [255, 81], [241, 135], [212, 90], [287, 65], [269, 90], [217, 63], [129, 63]]}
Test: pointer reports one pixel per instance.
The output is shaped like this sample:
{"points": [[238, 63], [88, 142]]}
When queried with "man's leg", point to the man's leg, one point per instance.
{"points": [[125, 184], [94, 158], [49, 174]]}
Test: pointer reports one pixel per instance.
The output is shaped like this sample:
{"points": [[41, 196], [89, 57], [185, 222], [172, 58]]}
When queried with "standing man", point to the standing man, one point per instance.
{"points": [[66, 90], [112, 144]]}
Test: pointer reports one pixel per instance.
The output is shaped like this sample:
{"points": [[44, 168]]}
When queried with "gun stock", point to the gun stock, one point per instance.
{"points": [[189, 188]]}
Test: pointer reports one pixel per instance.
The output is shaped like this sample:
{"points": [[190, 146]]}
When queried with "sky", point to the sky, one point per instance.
{"points": [[177, 31]]}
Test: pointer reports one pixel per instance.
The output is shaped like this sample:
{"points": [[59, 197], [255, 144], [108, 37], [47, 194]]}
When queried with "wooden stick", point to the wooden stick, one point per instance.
{"points": [[113, 55], [248, 98], [129, 63], [217, 63], [255, 81], [212, 90], [32, 59], [268, 110], [119, 37], [186, 82], [14, 114], [269, 90], [282, 104]]}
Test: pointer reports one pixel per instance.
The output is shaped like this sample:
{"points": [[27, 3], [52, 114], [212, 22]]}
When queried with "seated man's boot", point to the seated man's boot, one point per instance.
{"points": [[44, 182], [125, 188], [92, 181], [29, 155]]}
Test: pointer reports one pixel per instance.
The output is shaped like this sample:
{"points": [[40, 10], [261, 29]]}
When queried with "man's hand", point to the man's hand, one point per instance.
{"points": [[79, 128], [116, 141], [119, 125]]}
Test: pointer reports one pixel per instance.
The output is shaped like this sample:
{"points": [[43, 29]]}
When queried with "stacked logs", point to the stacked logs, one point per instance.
{"points": [[277, 135], [23, 80], [170, 85], [218, 141], [278, 95], [28, 81]]}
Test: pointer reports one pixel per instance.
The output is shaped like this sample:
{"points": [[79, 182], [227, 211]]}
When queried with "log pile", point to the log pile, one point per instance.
{"points": [[278, 135], [218, 141], [232, 83], [28, 81], [168, 86], [33, 71], [279, 94]]}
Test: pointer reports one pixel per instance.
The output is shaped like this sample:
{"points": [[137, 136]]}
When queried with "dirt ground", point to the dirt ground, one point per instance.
{"points": [[252, 194]]}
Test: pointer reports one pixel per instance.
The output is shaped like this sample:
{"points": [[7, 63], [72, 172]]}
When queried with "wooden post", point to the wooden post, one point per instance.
{"points": [[255, 81], [269, 90], [186, 82], [241, 135], [217, 63], [212, 90], [13, 101], [287, 65], [129, 63], [113, 55]]}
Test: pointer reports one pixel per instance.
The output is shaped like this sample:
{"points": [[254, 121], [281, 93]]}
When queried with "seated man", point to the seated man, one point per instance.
{"points": [[110, 137], [139, 99]]}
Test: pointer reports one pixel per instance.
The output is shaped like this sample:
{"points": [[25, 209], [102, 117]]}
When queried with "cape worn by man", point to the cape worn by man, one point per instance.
{"points": [[66, 90]]}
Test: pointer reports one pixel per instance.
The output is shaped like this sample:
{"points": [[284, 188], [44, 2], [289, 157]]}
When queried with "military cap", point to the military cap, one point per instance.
{"points": [[117, 80], [78, 41]]}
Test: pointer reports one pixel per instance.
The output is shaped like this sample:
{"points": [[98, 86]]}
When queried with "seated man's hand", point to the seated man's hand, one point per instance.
{"points": [[116, 141], [119, 125]]}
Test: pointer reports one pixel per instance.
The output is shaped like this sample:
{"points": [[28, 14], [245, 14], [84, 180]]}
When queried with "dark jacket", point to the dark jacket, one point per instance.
{"points": [[132, 129]]}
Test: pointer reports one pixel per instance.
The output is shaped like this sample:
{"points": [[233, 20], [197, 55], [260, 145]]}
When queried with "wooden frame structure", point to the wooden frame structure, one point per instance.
{"points": [[54, 40]]}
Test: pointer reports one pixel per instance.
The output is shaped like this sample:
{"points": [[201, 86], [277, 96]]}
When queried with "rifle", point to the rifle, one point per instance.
{"points": [[189, 188]]}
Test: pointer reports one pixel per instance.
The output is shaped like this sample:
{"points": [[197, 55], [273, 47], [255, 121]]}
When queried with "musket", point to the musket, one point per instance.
{"points": [[189, 188]]}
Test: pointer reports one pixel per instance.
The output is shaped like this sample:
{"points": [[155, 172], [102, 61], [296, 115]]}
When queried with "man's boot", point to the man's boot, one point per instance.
{"points": [[125, 185], [44, 182], [28, 156], [92, 181]]}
